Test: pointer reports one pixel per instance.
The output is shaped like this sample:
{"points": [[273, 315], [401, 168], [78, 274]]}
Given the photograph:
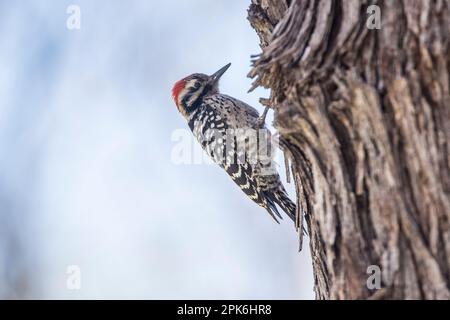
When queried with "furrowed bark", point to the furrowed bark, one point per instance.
{"points": [[365, 117]]}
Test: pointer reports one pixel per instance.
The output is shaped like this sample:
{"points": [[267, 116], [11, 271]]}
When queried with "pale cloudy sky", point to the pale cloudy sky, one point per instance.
{"points": [[86, 175]]}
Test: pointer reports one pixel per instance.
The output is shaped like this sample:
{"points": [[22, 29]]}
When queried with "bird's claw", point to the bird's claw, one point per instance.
{"points": [[262, 119]]}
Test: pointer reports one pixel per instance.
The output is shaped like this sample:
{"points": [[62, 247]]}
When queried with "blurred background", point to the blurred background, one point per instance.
{"points": [[87, 177]]}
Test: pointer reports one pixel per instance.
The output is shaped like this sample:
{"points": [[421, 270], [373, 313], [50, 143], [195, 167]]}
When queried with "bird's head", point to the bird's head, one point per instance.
{"points": [[189, 91]]}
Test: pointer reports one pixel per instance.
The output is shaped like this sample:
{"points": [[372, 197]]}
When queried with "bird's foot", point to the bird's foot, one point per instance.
{"points": [[259, 124]]}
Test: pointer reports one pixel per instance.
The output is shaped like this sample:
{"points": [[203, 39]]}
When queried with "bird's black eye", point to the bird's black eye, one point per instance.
{"points": [[197, 85]]}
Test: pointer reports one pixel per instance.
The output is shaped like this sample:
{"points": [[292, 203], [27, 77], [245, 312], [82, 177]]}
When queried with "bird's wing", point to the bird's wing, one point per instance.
{"points": [[235, 148], [242, 109]]}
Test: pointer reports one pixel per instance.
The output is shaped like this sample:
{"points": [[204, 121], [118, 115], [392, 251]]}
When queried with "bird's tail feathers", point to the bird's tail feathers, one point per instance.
{"points": [[272, 209], [280, 197]]}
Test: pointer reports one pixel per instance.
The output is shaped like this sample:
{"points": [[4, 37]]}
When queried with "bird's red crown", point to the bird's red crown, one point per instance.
{"points": [[178, 86]]}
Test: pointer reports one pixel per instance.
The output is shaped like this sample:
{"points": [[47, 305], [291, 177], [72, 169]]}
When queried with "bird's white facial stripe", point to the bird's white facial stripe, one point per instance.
{"points": [[195, 96], [191, 87], [191, 84], [182, 94]]}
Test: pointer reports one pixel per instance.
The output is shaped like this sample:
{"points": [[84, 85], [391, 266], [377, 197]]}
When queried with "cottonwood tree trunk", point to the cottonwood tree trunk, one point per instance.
{"points": [[364, 114]]}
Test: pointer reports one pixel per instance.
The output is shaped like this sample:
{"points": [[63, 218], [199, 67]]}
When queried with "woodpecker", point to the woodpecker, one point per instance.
{"points": [[235, 137]]}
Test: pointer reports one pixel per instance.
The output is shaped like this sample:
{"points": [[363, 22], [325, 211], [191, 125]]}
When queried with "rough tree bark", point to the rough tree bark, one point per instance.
{"points": [[365, 117]]}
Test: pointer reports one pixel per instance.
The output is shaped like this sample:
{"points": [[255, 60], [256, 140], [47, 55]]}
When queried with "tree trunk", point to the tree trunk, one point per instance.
{"points": [[364, 114]]}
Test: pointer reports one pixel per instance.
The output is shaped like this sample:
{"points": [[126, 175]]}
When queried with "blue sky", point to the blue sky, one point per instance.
{"points": [[86, 176]]}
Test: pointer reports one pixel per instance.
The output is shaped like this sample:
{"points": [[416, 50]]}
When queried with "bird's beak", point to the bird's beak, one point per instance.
{"points": [[216, 75]]}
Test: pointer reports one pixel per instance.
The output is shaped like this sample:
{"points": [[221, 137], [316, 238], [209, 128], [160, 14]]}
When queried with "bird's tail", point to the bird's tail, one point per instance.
{"points": [[280, 197]]}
